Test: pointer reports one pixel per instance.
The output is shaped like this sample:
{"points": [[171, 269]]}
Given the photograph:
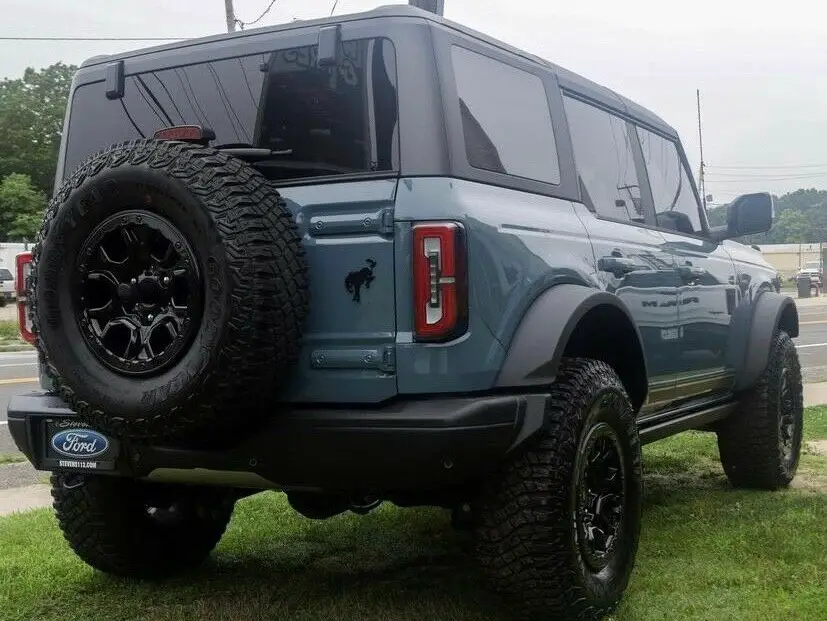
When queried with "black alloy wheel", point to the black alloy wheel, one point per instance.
{"points": [[787, 420], [139, 293], [600, 488]]}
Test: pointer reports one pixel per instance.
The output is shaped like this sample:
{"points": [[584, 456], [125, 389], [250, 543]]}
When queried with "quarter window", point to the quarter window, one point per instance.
{"points": [[676, 206], [506, 120], [605, 162]]}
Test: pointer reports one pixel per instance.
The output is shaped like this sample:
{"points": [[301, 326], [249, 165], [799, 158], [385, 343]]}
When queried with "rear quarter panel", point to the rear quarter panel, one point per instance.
{"points": [[519, 245]]}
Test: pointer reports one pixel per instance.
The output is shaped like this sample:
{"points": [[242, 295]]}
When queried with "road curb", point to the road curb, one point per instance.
{"points": [[16, 348], [19, 499]]}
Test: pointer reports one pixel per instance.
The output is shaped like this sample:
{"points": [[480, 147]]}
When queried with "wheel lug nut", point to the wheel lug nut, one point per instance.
{"points": [[149, 317], [166, 280], [134, 281]]}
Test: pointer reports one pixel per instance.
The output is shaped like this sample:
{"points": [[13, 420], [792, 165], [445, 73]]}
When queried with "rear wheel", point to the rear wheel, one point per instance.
{"points": [[558, 526], [760, 444], [139, 530]]}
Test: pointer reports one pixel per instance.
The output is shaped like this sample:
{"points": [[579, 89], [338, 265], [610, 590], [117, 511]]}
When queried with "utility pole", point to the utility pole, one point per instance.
{"points": [[228, 7], [437, 7], [701, 140]]}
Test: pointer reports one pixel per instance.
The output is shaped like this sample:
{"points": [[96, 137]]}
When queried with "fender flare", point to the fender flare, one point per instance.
{"points": [[752, 339], [538, 344]]}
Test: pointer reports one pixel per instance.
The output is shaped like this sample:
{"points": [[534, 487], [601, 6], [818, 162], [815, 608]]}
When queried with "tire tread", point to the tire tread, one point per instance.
{"points": [[269, 274]]}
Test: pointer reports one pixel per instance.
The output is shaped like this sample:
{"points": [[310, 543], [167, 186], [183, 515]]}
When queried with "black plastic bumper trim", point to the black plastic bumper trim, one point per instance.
{"points": [[406, 446]]}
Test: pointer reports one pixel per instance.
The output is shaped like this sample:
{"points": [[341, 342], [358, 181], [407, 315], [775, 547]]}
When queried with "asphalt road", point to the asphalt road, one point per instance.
{"points": [[812, 342], [18, 370]]}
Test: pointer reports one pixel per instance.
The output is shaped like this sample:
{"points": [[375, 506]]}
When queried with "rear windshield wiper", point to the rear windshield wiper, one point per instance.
{"points": [[252, 154], [273, 159]]}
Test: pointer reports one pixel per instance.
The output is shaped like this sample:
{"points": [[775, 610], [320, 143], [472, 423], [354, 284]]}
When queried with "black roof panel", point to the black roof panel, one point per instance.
{"points": [[568, 79]]}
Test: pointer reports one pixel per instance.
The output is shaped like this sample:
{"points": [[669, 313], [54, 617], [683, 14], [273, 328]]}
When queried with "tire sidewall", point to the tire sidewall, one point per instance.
{"points": [[606, 587], [100, 196]]}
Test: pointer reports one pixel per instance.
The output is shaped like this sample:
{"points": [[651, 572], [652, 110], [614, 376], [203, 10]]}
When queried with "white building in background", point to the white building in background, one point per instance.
{"points": [[789, 258]]}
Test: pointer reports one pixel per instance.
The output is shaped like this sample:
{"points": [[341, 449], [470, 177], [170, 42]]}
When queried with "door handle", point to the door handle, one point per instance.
{"points": [[616, 265], [690, 273]]}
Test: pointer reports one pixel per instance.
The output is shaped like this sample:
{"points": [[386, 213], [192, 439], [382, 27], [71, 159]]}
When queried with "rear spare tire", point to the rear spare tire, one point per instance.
{"points": [[169, 290]]}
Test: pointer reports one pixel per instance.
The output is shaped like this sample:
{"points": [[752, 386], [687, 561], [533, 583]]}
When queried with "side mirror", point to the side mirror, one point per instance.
{"points": [[747, 215]]}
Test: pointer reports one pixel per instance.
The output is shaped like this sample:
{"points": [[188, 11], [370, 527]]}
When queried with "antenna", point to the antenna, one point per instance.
{"points": [[437, 7], [701, 140]]}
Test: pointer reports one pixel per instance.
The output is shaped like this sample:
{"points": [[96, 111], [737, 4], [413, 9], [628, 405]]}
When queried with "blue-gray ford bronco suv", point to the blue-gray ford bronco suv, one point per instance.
{"points": [[385, 258]]}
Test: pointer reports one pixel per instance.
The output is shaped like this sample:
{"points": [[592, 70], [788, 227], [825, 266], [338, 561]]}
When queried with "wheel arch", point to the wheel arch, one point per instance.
{"points": [[752, 344], [575, 321]]}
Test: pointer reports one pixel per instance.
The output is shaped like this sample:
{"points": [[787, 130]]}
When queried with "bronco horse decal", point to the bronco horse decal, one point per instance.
{"points": [[355, 280]]}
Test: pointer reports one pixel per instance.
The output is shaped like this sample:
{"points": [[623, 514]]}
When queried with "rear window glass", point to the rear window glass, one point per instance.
{"points": [[5, 274], [319, 121], [506, 120]]}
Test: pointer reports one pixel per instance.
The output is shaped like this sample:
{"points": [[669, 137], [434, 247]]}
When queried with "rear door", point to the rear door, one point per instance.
{"points": [[332, 132]]}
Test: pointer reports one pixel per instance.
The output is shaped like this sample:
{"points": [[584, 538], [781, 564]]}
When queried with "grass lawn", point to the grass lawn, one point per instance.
{"points": [[707, 552], [11, 458], [10, 335], [9, 330]]}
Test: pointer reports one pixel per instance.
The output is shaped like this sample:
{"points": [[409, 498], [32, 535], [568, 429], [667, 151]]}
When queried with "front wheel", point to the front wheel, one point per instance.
{"points": [[760, 444], [558, 525], [139, 530]]}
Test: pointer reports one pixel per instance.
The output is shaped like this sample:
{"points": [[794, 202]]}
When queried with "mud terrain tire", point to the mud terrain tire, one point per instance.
{"points": [[543, 536], [139, 530], [760, 444], [167, 213]]}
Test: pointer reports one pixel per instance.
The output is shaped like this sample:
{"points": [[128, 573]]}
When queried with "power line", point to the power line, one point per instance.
{"points": [[785, 175], [3, 38], [257, 19], [767, 179], [766, 167], [335, 4]]}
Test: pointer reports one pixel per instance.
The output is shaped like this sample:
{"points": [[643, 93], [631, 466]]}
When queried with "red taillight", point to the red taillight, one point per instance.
{"points": [[24, 268], [440, 288], [185, 133]]}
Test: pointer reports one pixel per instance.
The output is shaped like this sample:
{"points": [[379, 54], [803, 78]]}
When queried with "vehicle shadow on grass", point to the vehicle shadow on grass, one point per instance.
{"points": [[393, 564], [409, 564]]}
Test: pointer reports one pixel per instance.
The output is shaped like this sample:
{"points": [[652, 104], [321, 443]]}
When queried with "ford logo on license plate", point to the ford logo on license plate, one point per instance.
{"points": [[79, 443]]}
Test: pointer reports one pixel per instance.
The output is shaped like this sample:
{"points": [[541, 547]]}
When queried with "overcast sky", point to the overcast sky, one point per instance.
{"points": [[761, 68]]}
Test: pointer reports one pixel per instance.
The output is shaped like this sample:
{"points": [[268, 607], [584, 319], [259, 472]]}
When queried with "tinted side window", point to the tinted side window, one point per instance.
{"points": [[506, 120], [605, 162], [321, 120], [676, 206]]}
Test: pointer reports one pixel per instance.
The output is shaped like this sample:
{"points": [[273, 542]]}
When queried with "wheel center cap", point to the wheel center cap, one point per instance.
{"points": [[150, 290], [127, 292]]}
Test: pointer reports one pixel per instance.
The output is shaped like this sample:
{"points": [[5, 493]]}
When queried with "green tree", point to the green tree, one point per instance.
{"points": [[21, 208], [792, 226], [800, 217], [31, 121]]}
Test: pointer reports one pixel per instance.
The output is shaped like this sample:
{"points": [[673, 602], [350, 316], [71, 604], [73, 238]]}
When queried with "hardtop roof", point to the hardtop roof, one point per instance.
{"points": [[568, 79]]}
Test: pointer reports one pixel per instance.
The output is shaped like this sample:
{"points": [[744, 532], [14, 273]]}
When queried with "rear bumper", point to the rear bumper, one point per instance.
{"points": [[412, 445]]}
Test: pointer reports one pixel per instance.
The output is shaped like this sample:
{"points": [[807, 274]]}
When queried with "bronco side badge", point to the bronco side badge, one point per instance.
{"points": [[354, 280]]}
